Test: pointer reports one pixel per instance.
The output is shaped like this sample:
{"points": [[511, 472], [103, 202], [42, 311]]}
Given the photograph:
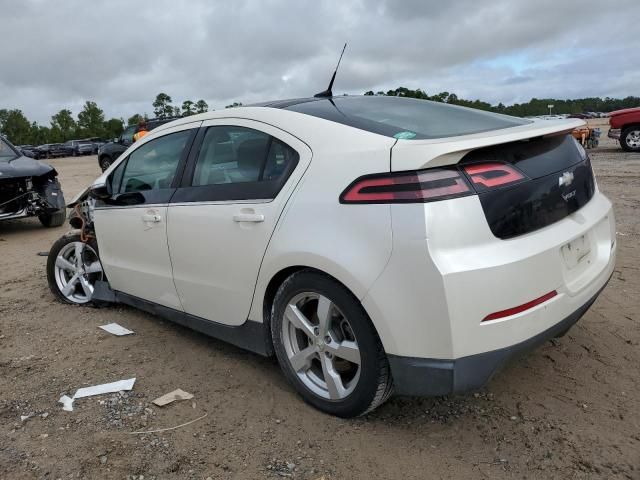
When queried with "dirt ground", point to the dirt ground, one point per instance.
{"points": [[571, 409]]}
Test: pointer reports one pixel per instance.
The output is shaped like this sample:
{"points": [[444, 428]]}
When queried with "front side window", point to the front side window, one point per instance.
{"points": [[153, 165]]}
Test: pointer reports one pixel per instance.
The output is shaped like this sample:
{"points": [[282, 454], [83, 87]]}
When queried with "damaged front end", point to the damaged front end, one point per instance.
{"points": [[30, 196]]}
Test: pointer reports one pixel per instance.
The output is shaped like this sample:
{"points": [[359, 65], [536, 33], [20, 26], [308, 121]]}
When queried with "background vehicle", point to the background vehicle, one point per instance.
{"points": [[109, 152], [79, 147], [28, 150], [370, 243], [54, 150], [625, 127], [29, 188]]}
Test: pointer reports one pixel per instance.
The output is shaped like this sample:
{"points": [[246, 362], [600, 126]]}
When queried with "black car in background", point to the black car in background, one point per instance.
{"points": [[110, 151], [79, 147], [29, 188], [28, 151]]}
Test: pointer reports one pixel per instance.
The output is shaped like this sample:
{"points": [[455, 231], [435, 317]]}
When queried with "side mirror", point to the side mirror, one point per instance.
{"points": [[100, 192], [129, 198]]}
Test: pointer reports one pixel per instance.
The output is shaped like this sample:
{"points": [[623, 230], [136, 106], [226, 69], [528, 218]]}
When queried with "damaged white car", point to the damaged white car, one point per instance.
{"points": [[29, 188], [373, 244]]}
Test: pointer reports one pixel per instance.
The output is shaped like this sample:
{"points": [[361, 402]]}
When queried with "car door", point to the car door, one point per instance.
{"points": [[239, 176], [132, 226]]}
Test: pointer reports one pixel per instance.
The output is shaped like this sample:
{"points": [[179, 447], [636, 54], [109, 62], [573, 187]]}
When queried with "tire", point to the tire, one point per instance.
{"points": [[630, 139], [321, 352], [58, 276], [105, 162], [54, 219]]}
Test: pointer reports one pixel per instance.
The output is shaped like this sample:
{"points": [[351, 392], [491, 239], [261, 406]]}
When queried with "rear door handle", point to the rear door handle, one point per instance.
{"points": [[151, 218], [248, 217]]}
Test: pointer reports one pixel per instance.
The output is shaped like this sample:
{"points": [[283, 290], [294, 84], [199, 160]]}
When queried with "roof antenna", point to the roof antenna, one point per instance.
{"points": [[328, 93]]}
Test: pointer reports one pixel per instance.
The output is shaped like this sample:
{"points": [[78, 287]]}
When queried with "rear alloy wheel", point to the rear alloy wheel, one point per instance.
{"points": [[73, 268], [327, 347], [630, 139]]}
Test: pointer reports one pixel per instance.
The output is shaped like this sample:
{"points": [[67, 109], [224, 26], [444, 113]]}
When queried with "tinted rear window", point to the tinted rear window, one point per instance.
{"points": [[407, 118]]}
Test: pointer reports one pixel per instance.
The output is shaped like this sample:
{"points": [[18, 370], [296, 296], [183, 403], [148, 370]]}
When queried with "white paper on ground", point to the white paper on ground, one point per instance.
{"points": [[172, 396], [116, 329], [67, 403]]}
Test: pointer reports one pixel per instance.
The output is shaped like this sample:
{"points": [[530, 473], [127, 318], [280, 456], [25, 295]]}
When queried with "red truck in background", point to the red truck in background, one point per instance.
{"points": [[625, 127]]}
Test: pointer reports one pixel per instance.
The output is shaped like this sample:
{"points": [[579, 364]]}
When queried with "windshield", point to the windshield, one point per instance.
{"points": [[6, 152], [406, 118]]}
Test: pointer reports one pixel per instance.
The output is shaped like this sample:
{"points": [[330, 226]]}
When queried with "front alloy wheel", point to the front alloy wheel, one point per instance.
{"points": [[73, 267], [327, 346], [630, 139]]}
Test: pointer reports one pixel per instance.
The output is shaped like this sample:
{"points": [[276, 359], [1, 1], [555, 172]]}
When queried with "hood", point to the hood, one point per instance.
{"points": [[624, 111], [24, 167]]}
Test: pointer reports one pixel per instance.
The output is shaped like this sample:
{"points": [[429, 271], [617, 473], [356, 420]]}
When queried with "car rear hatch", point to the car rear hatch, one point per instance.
{"points": [[532, 180]]}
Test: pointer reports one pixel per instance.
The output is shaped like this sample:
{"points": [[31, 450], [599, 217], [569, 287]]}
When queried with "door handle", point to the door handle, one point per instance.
{"points": [[248, 217], [151, 217]]}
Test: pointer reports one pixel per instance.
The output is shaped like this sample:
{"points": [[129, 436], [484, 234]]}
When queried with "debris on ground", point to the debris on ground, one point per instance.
{"points": [[121, 385], [116, 329], [170, 397]]}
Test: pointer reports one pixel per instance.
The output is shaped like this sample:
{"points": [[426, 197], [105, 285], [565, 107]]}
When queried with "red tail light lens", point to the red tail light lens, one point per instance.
{"points": [[521, 308], [407, 187], [484, 176]]}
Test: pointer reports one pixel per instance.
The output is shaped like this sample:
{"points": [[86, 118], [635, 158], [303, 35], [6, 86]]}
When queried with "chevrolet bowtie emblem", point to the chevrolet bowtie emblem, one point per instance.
{"points": [[566, 179]]}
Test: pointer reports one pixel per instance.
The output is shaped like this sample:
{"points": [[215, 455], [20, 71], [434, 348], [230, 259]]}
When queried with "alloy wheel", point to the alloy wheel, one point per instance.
{"points": [[320, 346], [633, 139], [77, 268]]}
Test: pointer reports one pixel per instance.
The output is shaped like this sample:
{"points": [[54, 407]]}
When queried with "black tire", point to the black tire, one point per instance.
{"points": [[51, 263], [54, 219], [375, 383], [623, 139], [105, 162]]}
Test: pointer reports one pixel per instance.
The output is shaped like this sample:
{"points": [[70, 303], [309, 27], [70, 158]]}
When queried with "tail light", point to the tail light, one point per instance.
{"points": [[485, 176], [431, 185], [521, 308]]}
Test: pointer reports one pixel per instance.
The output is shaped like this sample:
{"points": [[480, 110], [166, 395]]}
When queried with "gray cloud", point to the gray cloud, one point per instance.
{"points": [[59, 54]]}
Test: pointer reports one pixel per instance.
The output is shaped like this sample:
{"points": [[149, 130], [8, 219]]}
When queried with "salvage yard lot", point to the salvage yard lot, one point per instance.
{"points": [[571, 409]]}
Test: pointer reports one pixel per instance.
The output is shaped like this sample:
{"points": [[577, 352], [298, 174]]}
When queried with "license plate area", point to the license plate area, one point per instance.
{"points": [[576, 252]]}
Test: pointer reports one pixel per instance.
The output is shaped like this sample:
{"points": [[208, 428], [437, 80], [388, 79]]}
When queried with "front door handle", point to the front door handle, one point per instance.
{"points": [[248, 217], [151, 218]]}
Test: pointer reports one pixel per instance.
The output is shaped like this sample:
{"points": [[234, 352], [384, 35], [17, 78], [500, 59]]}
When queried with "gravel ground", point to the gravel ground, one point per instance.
{"points": [[570, 409]]}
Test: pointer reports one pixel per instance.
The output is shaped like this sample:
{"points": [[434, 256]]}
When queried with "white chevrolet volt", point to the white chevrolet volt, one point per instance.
{"points": [[373, 244]]}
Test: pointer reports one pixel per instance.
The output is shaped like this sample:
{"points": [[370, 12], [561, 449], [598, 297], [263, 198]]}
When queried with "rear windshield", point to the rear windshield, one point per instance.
{"points": [[406, 118]]}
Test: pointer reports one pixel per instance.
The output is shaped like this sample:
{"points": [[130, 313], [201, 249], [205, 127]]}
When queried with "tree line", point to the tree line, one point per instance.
{"points": [[535, 106], [91, 123]]}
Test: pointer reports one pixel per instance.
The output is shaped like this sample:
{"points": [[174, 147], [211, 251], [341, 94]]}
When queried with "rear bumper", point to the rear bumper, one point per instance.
{"points": [[432, 377], [614, 133]]}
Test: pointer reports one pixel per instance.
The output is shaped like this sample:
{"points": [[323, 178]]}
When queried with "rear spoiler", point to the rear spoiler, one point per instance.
{"points": [[438, 152]]}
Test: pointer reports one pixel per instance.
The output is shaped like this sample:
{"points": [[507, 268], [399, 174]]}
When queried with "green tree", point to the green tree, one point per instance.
{"points": [[91, 120], [201, 106], [162, 106], [15, 126], [234, 105], [65, 122], [176, 112], [136, 119], [113, 127], [187, 108]]}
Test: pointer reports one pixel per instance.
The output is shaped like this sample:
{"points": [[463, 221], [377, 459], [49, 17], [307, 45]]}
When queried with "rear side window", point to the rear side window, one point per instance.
{"points": [[237, 163], [406, 118]]}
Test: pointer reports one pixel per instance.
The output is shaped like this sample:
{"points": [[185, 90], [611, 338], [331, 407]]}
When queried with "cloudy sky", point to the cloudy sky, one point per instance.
{"points": [[58, 54]]}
